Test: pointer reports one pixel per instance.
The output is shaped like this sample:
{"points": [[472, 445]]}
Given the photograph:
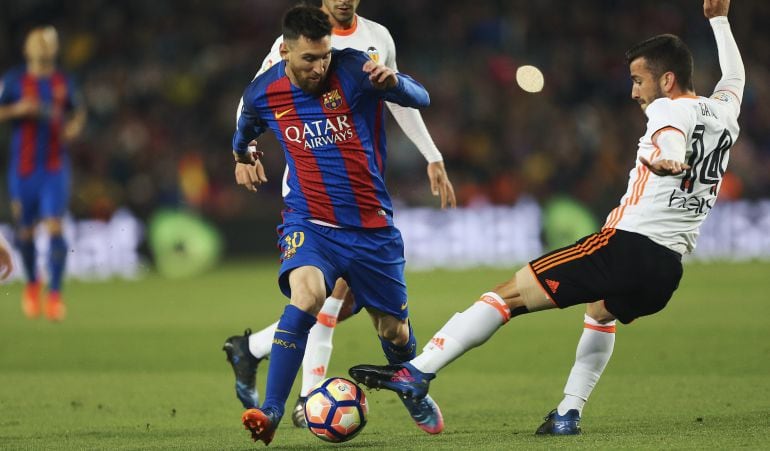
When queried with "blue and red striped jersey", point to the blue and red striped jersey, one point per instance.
{"points": [[334, 143], [36, 144]]}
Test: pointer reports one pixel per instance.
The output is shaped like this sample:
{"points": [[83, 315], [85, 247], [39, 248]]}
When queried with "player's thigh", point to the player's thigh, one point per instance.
{"points": [[301, 245], [598, 312], [308, 288], [376, 272], [54, 199]]}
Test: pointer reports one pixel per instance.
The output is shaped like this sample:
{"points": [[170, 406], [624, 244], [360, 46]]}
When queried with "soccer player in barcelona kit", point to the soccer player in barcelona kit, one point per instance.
{"points": [[45, 113], [680, 163], [245, 352], [325, 108]]}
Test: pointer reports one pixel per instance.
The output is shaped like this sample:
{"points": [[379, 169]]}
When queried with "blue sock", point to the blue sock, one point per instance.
{"points": [[57, 258], [400, 354], [286, 356], [29, 258]]}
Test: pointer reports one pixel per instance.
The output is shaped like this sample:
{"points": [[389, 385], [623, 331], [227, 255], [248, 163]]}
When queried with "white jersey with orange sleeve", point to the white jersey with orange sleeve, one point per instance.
{"points": [[670, 209]]}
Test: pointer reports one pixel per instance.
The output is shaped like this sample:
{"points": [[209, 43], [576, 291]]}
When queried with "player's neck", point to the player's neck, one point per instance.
{"points": [[676, 93], [40, 68], [344, 28]]}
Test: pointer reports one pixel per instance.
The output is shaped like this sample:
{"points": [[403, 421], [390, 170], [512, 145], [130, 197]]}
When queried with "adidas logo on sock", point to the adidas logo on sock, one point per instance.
{"points": [[438, 342], [402, 375], [319, 371]]}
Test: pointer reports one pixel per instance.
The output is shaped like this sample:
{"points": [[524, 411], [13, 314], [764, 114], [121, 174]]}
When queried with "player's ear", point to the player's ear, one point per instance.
{"points": [[283, 49], [667, 82]]}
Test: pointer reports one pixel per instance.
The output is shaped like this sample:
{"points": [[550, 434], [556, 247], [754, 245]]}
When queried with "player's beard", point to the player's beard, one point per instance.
{"points": [[312, 86], [645, 102]]}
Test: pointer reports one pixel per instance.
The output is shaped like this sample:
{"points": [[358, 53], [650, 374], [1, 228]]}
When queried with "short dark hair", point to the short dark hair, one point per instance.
{"points": [[665, 53], [307, 21]]}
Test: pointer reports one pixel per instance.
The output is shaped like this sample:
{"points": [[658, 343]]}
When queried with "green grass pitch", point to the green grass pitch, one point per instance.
{"points": [[138, 365]]}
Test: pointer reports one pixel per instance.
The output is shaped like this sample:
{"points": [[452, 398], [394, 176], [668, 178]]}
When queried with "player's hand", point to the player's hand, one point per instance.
{"points": [[664, 167], [715, 8], [6, 261], [440, 184], [26, 108], [382, 77], [249, 171]]}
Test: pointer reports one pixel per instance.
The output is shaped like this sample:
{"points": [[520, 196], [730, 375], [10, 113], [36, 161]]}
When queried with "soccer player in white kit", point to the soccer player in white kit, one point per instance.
{"points": [[245, 352], [632, 267]]}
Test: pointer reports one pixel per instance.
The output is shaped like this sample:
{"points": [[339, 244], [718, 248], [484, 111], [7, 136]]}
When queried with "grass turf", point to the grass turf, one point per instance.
{"points": [[138, 365]]}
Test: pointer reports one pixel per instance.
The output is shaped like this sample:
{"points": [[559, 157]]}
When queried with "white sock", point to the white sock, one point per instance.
{"points": [[593, 352], [463, 332], [318, 350], [261, 342]]}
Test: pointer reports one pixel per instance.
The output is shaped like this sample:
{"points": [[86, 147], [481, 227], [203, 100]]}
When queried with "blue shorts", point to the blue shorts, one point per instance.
{"points": [[42, 195], [371, 261]]}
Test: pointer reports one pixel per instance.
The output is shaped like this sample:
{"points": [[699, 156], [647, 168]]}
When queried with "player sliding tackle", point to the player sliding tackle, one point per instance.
{"points": [[633, 265]]}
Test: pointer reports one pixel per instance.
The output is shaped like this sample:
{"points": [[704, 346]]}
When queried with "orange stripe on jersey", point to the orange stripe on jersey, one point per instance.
{"points": [[637, 191], [501, 308], [347, 31], [587, 248], [607, 329], [326, 319]]}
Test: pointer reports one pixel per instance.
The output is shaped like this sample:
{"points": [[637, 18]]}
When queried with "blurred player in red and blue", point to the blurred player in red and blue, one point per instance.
{"points": [[45, 114], [326, 107]]}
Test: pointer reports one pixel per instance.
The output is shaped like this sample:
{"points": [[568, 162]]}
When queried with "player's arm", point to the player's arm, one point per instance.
{"points": [[396, 87], [673, 147], [249, 171], [6, 260], [733, 73], [15, 109], [411, 122], [76, 123]]}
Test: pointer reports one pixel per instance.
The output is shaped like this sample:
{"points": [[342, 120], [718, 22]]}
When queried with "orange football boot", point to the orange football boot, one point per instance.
{"points": [[261, 424], [54, 307], [30, 300]]}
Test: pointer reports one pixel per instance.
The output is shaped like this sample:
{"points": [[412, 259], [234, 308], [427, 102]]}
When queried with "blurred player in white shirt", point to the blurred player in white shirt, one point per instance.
{"points": [[245, 352], [633, 266]]}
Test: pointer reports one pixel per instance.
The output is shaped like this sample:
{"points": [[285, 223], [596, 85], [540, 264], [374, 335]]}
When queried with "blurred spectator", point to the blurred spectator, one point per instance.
{"points": [[162, 80]]}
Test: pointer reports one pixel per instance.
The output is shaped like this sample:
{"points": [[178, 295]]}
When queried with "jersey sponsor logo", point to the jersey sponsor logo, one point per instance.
{"points": [[374, 54], [332, 99], [324, 132], [281, 114], [696, 204], [553, 285]]}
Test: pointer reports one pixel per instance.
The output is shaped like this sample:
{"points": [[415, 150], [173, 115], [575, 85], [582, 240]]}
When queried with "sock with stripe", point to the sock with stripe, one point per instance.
{"points": [[286, 356], [464, 331], [260, 343], [593, 352], [400, 354], [319, 345], [57, 259], [29, 258]]}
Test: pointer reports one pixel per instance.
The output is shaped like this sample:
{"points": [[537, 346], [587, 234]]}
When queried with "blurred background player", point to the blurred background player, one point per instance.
{"points": [[245, 352], [45, 113], [633, 265], [6, 259], [324, 106]]}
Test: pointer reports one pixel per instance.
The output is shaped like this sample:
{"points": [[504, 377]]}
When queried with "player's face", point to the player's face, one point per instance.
{"points": [[341, 11], [42, 45], [307, 62], [645, 86]]}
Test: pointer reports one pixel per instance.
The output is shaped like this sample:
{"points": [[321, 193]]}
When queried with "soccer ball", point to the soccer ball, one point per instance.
{"points": [[336, 410]]}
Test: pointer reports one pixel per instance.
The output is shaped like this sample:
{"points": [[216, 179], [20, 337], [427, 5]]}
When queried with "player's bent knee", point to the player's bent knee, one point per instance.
{"points": [[599, 313]]}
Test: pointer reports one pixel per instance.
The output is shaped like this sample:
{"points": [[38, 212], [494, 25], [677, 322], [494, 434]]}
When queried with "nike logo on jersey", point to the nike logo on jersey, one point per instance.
{"points": [[283, 113]]}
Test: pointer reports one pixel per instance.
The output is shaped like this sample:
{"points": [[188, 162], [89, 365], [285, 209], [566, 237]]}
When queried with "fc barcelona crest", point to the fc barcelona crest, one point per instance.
{"points": [[332, 99]]}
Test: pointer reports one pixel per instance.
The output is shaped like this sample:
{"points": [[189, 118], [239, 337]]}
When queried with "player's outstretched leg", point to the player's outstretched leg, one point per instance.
{"points": [[57, 259], [30, 301], [261, 424], [245, 368]]}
